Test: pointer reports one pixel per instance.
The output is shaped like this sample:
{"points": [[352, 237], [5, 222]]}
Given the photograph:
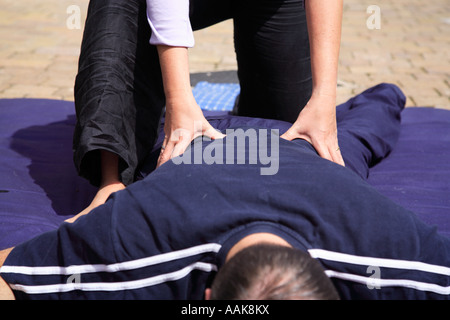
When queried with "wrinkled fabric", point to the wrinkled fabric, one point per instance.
{"points": [[165, 236], [119, 93], [39, 186]]}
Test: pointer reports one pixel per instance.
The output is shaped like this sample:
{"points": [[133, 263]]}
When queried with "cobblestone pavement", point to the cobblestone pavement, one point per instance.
{"points": [[402, 42]]}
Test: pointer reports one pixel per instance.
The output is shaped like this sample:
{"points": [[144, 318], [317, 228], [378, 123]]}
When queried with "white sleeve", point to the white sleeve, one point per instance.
{"points": [[170, 24]]}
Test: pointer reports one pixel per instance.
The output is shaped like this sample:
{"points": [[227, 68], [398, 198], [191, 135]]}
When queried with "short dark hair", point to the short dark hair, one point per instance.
{"points": [[272, 272]]}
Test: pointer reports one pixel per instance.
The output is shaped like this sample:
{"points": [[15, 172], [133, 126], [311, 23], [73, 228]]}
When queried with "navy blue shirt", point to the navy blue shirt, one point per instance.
{"points": [[165, 237]]}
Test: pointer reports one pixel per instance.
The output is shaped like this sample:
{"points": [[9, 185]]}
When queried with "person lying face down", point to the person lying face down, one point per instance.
{"points": [[194, 231]]}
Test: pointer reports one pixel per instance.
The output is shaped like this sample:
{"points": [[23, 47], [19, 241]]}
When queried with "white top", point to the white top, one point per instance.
{"points": [[170, 24]]}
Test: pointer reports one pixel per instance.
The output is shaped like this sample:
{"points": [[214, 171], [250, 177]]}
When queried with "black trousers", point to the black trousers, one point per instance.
{"points": [[119, 94]]}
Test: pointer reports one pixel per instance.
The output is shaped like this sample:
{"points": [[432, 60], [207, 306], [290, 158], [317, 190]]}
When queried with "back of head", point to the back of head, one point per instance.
{"points": [[272, 272]]}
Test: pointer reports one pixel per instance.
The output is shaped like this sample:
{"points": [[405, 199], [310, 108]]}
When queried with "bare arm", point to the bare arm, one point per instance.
{"points": [[184, 118], [324, 26], [317, 121], [5, 291]]}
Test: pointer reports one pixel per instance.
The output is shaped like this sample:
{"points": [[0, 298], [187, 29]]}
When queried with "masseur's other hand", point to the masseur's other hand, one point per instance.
{"points": [[317, 125], [183, 123]]}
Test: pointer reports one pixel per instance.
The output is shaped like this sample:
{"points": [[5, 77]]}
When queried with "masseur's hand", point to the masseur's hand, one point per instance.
{"points": [[317, 125], [317, 121], [184, 118], [183, 123]]}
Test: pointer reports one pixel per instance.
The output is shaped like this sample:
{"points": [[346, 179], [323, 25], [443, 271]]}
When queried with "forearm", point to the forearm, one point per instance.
{"points": [[324, 20], [175, 72]]}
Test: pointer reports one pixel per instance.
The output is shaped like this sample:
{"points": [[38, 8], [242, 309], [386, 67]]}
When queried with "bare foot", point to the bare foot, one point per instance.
{"points": [[99, 199]]}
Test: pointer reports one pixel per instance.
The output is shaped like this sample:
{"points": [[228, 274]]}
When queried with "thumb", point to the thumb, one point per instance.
{"points": [[289, 135], [293, 133]]}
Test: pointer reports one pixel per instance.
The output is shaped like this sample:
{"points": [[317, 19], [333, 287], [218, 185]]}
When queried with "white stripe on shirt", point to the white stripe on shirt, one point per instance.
{"points": [[116, 267], [115, 286], [207, 267], [377, 282], [386, 263], [379, 262]]}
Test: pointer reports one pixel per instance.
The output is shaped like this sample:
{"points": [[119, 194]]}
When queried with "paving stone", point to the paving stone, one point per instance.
{"points": [[39, 52]]}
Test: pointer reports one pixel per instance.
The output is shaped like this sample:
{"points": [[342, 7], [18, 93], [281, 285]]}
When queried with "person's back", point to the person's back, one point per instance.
{"points": [[166, 236]]}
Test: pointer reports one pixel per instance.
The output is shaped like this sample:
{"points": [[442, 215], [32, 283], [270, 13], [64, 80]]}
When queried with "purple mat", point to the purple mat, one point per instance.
{"points": [[39, 187], [417, 173]]}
